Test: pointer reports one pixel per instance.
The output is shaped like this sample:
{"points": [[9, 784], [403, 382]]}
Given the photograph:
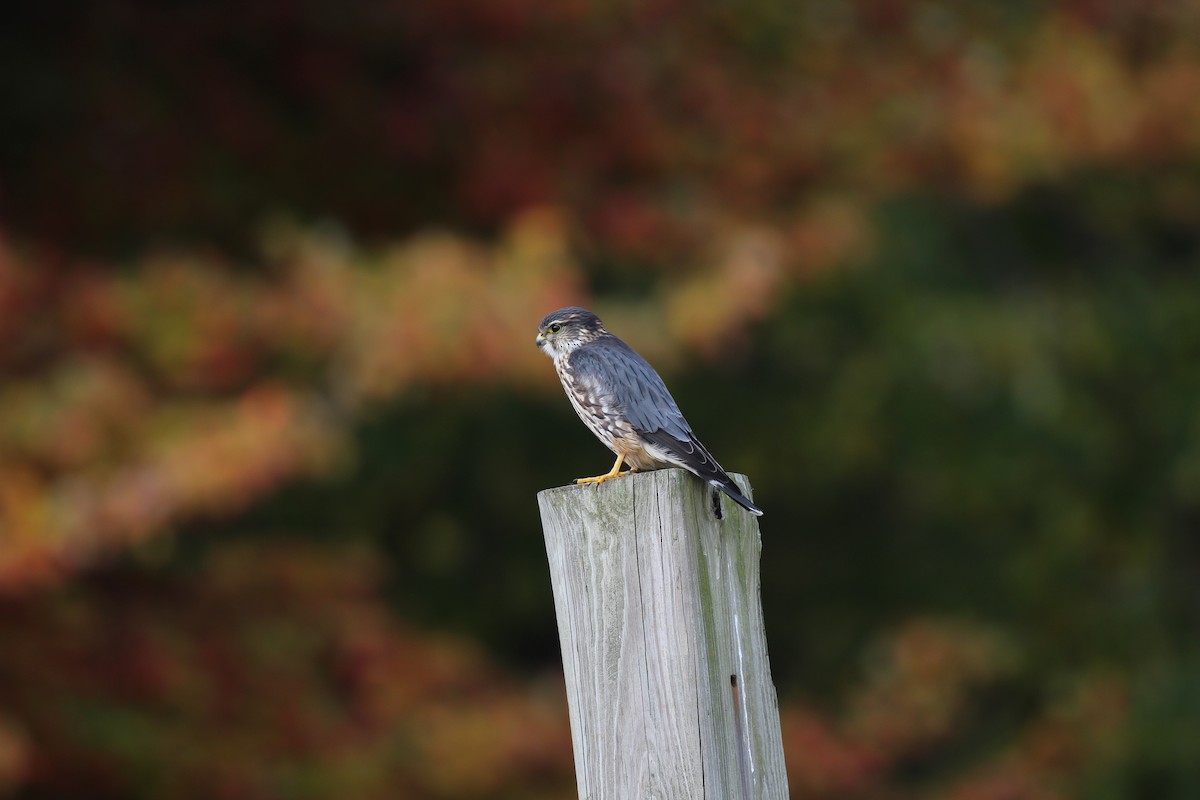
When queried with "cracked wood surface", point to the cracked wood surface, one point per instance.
{"points": [[663, 645]]}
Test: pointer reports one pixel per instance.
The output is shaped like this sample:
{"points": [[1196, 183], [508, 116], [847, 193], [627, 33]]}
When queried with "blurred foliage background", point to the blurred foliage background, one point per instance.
{"points": [[271, 420]]}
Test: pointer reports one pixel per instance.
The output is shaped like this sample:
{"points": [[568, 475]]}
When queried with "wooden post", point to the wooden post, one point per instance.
{"points": [[665, 656]]}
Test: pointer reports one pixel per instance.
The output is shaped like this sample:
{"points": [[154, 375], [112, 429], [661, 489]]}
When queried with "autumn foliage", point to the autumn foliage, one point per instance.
{"points": [[271, 419]]}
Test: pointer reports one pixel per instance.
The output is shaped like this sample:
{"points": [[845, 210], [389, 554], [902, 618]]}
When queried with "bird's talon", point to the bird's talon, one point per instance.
{"points": [[615, 472], [602, 478]]}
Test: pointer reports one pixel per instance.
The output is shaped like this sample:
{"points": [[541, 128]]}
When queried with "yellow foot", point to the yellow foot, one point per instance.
{"points": [[603, 478], [615, 472]]}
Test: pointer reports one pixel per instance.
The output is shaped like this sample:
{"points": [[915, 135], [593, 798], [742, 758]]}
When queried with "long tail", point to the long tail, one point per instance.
{"points": [[730, 488], [695, 458]]}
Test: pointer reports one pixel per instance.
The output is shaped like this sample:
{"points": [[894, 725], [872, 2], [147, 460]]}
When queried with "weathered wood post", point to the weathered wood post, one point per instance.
{"points": [[663, 646]]}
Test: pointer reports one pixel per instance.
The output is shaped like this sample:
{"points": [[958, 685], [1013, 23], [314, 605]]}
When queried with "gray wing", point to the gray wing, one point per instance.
{"points": [[613, 373]]}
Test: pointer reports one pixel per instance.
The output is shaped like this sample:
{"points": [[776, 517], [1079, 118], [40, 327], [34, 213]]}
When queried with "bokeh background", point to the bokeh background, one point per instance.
{"points": [[272, 421]]}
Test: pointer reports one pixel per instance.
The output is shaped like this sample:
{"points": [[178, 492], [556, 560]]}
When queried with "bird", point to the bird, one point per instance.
{"points": [[625, 403]]}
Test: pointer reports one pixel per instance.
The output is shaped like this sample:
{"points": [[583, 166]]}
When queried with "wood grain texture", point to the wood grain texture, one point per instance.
{"points": [[658, 614]]}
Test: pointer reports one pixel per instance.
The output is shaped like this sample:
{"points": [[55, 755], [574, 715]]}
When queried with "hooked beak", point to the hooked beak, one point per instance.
{"points": [[540, 340]]}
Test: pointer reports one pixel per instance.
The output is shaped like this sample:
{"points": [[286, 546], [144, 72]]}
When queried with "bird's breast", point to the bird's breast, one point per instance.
{"points": [[604, 419]]}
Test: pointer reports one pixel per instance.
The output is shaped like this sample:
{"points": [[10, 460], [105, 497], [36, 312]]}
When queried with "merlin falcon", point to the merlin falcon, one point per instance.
{"points": [[622, 400]]}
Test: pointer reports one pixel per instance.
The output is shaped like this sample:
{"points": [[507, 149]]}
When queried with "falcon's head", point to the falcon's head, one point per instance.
{"points": [[563, 330]]}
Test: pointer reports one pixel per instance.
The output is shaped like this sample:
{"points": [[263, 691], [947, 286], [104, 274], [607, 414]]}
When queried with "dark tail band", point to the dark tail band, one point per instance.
{"points": [[731, 489]]}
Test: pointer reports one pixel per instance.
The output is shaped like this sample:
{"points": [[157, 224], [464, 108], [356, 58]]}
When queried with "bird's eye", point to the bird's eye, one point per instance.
{"points": [[555, 328]]}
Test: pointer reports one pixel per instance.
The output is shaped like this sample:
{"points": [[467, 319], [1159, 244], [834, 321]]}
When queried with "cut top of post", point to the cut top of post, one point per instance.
{"points": [[656, 590]]}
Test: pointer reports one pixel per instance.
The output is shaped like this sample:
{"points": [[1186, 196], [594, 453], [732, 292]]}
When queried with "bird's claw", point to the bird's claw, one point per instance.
{"points": [[598, 479]]}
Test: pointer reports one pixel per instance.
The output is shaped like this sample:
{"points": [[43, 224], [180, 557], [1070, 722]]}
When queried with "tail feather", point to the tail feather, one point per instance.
{"points": [[695, 458], [730, 488]]}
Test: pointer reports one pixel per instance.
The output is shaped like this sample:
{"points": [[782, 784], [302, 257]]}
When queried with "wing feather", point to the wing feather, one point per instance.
{"points": [[615, 374]]}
